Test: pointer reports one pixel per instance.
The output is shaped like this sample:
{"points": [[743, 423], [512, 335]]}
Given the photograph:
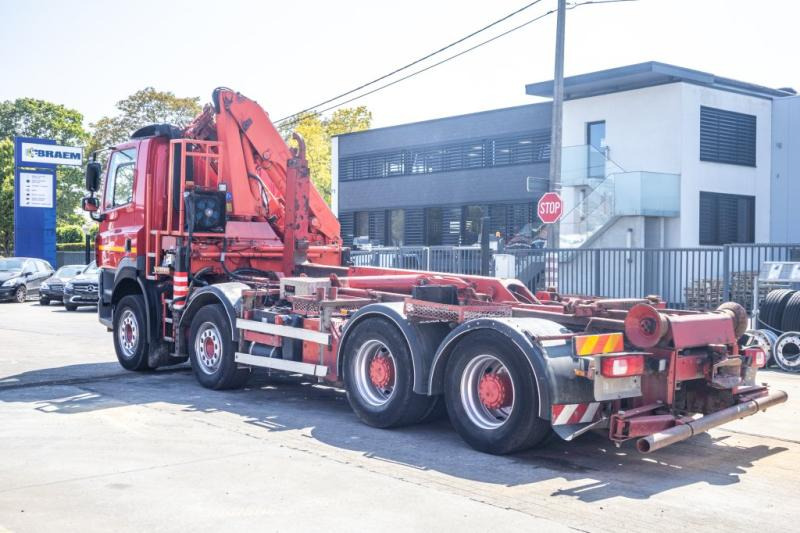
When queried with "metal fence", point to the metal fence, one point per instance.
{"points": [[689, 278], [70, 258]]}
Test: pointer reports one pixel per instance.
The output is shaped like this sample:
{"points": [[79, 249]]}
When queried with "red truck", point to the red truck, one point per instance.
{"points": [[215, 247]]}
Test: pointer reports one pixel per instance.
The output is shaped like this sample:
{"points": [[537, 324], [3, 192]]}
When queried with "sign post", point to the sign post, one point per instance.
{"points": [[550, 208], [35, 163]]}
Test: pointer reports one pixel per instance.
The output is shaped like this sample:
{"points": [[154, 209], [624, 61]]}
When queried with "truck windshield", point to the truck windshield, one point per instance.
{"points": [[9, 265]]}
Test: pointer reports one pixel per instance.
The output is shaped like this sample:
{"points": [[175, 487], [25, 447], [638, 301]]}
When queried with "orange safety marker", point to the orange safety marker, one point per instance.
{"points": [[598, 344]]}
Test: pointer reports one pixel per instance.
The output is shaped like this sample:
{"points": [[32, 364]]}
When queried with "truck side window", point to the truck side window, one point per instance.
{"points": [[119, 187]]}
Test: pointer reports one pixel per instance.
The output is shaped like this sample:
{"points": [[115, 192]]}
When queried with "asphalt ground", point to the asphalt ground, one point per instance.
{"points": [[87, 446]]}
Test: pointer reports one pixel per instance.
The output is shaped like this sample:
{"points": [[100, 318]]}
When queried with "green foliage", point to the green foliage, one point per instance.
{"points": [[69, 233], [318, 131], [71, 246], [6, 196], [147, 106]]}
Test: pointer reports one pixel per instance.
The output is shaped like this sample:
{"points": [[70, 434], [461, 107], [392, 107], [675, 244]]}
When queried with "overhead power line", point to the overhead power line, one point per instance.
{"points": [[415, 62], [297, 117]]}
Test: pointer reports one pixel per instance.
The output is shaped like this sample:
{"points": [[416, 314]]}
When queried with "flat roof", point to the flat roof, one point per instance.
{"points": [[444, 119], [643, 75]]}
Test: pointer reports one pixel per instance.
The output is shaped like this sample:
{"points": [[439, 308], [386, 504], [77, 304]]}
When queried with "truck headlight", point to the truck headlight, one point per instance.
{"points": [[10, 282]]}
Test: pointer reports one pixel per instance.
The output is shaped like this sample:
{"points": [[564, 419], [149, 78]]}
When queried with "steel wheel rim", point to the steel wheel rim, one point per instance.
{"points": [[478, 413], [791, 362], [128, 333], [208, 347], [21, 294], [373, 394]]}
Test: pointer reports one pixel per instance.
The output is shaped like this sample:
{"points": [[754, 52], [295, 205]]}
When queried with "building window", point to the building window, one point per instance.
{"points": [[471, 224], [726, 218], [520, 149], [727, 137], [361, 224], [596, 146], [395, 227], [434, 228]]}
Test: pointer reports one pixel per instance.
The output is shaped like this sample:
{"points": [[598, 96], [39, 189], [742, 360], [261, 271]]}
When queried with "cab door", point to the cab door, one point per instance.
{"points": [[121, 224]]}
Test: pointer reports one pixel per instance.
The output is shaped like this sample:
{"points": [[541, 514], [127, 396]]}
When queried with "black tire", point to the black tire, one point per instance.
{"points": [[44, 301], [394, 403], [70, 307], [500, 430], [216, 369], [130, 332], [21, 294]]}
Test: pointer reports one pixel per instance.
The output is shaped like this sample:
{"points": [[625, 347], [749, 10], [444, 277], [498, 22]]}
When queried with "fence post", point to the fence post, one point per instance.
{"points": [[485, 251], [726, 275], [596, 261], [428, 258]]}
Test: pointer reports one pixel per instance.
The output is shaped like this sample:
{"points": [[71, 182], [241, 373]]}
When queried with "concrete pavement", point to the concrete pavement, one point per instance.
{"points": [[85, 446]]}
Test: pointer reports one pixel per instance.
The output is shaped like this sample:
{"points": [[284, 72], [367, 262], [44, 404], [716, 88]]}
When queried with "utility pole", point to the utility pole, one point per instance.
{"points": [[553, 237]]}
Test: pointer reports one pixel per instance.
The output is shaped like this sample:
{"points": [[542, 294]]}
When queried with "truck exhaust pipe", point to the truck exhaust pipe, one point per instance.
{"points": [[662, 439]]}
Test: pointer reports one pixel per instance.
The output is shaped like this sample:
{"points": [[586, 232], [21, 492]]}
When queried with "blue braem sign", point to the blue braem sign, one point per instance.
{"points": [[35, 162]]}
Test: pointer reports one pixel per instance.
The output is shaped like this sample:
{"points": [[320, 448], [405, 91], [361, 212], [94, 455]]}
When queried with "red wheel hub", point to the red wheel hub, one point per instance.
{"points": [[381, 371], [209, 347], [495, 391]]}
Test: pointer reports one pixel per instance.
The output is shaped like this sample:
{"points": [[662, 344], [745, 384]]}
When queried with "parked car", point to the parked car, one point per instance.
{"points": [[52, 290], [21, 277], [82, 289]]}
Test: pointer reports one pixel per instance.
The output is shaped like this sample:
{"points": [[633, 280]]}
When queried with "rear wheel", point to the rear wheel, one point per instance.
{"points": [[21, 294], [491, 395], [379, 376], [130, 332], [212, 350]]}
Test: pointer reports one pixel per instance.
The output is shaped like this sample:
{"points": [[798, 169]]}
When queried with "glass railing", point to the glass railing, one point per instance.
{"points": [[596, 191]]}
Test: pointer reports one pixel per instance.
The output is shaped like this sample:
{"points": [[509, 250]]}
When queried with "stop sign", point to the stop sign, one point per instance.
{"points": [[550, 207]]}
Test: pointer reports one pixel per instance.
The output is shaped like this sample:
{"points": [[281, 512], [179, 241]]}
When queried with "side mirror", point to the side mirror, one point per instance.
{"points": [[93, 172], [90, 204]]}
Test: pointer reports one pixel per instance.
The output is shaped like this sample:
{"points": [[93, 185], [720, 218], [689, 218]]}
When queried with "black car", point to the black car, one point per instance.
{"points": [[21, 277], [82, 289], [52, 290]]}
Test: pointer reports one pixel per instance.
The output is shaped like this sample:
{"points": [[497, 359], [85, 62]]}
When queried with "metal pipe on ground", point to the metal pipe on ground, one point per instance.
{"points": [[662, 439]]}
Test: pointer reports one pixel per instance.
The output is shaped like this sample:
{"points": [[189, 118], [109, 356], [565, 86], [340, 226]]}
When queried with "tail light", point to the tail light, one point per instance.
{"points": [[758, 357], [619, 366]]}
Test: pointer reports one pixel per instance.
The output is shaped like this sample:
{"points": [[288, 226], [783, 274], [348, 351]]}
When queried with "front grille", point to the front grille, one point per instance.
{"points": [[55, 287], [85, 288]]}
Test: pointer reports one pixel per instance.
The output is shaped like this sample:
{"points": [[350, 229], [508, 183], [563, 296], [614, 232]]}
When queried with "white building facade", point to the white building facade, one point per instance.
{"points": [[660, 156]]}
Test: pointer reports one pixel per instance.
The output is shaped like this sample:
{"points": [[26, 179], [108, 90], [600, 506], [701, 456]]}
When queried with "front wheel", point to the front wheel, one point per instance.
{"points": [[130, 332], [491, 395], [21, 294], [212, 350], [72, 307], [44, 301], [379, 376]]}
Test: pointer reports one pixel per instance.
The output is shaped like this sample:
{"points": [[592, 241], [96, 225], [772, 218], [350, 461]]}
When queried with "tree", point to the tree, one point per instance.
{"points": [[28, 117], [6, 196], [318, 131], [147, 106]]}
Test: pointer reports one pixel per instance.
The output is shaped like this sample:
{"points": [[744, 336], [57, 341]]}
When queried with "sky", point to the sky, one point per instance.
{"points": [[87, 55]]}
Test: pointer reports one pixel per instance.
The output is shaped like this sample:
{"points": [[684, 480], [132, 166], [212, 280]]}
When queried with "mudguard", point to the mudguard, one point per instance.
{"points": [[422, 339], [552, 360], [229, 294]]}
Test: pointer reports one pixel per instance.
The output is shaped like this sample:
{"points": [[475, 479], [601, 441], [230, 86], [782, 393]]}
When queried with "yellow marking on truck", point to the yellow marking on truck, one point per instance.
{"points": [[599, 344]]}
